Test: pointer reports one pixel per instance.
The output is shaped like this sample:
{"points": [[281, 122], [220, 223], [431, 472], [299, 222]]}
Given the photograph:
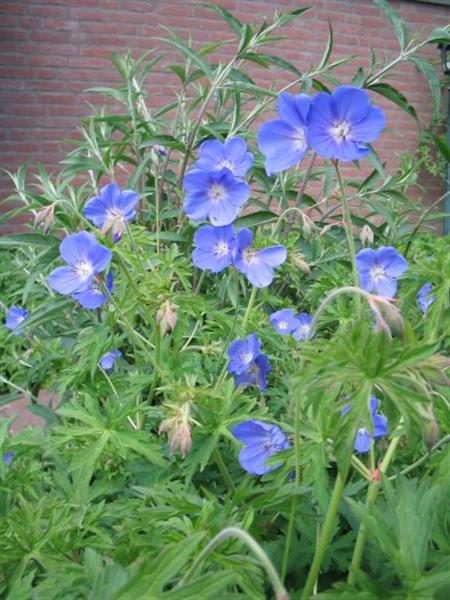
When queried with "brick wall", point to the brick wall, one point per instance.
{"points": [[52, 50]]}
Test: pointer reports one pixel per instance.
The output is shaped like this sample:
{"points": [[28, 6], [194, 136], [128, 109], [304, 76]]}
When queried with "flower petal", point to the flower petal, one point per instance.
{"points": [[273, 256], [76, 247], [249, 432], [66, 280], [362, 441], [282, 145]]}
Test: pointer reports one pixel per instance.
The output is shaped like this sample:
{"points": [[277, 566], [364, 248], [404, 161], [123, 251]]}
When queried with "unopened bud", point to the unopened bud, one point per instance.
{"points": [[178, 429], [298, 260], [387, 316], [430, 431], [366, 236], [166, 317], [308, 225], [45, 218]]}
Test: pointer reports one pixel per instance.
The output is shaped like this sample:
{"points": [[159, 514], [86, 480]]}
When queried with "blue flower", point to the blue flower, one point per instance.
{"points": [[424, 298], [214, 195], [257, 265], [8, 457], [112, 209], [284, 321], [378, 270], [108, 360], [93, 296], [341, 124], [85, 257], [302, 331], [14, 318], [247, 363], [242, 353], [256, 374], [364, 439], [214, 247], [262, 440], [284, 141], [232, 154]]}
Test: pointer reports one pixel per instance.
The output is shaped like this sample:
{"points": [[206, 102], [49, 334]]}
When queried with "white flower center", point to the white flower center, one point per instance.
{"points": [[114, 214], [250, 257], [221, 249], [300, 139], [341, 131], [378, 272], [282, 325], [216, 192], [84, 269], [247, 357], [304, 330], [225, 164]]}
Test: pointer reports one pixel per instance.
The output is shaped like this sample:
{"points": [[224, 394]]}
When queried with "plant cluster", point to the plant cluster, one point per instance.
{"points": [[251, 377]]}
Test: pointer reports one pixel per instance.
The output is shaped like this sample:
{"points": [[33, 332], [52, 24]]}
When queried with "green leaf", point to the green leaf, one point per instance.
{"points": [[48, 312], [396, 21], [256, 218], [164, 140], [389, 92], [440, 35], [328, 49], [443, 147], [430, 74], [187, 52], [230, 19], [28, 239], [207, 587]]}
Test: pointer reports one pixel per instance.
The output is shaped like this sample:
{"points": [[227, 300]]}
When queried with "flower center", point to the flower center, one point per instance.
{"points": [[247, 357], [341, 131], [84, 269], [221, 249], [225, 164], [304, 330], [282, 325], [216, 192], [300, 139], [114, 214], [378, 272], [250, 257]]}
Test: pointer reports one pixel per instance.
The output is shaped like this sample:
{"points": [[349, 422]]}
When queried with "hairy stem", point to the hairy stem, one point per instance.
{"points": [[223, 470], [264, 560], [250, 304], [325, 536]]}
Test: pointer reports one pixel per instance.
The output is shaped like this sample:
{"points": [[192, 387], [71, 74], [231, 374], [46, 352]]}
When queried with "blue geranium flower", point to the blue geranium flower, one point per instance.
{"points": [[232, 154], [302, 331], [379, 424], [248, 364], [283, 141], [214, 247], [242, 353], [257, 265], [262, 440], [112, 209], [108, 360], [256, 374], [378, 270], [214, 195], [14, 318], [284, 321], [85, 257], [93, 296], [8, 457], [424, 297], [341, 124]]}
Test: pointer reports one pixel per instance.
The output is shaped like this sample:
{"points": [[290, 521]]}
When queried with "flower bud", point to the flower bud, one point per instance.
{"points": [[430, 431], [178, 429], [366, 236], [166, 317], [298, 260], [45, 218], [308, 225]]}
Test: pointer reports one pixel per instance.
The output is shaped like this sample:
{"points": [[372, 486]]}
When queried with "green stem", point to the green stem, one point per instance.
{"points": [[325, 536], [157, 360], [420, 461], [348, 227], [249, 307], [223, 470], [126, 271], [111, 385], [294, 502], [135, 248], [157, 208], [199, 283], [372, 493], [264, 560]]}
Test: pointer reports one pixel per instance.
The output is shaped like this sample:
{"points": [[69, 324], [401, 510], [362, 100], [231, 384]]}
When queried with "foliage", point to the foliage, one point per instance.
{"points": [[98, 505]]}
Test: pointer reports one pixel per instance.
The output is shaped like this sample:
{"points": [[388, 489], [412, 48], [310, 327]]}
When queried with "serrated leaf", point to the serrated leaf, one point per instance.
{"points": [[389, 92], [396, 21]]}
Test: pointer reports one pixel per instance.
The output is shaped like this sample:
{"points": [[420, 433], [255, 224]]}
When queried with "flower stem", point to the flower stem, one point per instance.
{"points": [[223, 470], [372, 493], [157, 208], [325, 536], [348, 227], [158, 362], [135, 248], [291, 525], [264, 560], [249, 307]]}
